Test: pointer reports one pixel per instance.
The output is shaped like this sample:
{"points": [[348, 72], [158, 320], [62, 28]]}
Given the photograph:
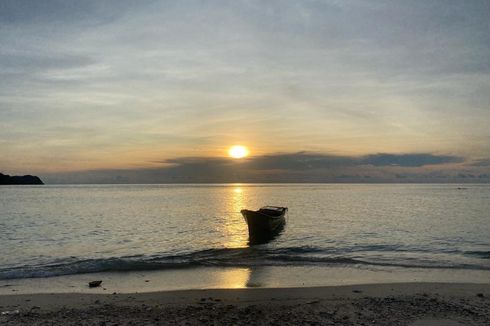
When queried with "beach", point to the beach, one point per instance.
{"points": [[373, 304]]}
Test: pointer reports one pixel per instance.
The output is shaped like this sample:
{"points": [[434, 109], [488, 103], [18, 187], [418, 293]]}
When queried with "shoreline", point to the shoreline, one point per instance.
{"points": [[237, 277], [371, 304]]}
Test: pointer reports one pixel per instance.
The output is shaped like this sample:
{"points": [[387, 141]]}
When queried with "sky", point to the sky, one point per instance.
{"points": [[319, 91]]}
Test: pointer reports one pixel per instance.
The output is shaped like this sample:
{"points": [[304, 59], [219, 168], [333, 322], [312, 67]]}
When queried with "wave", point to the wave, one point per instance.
{"points": [[232, 257]]}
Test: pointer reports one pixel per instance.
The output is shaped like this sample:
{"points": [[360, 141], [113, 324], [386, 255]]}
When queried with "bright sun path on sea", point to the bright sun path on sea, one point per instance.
{"points": [[238, 151]]}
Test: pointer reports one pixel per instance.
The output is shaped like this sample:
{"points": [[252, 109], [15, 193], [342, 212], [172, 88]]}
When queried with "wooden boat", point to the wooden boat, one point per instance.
{"points": [[264, 223]]}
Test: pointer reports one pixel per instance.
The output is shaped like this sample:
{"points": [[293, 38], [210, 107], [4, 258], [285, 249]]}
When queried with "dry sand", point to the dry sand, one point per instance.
{"points": [[415, 304]]}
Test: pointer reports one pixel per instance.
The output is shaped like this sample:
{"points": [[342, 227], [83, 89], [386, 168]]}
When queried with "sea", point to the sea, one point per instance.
{"points": [[55, 230]]}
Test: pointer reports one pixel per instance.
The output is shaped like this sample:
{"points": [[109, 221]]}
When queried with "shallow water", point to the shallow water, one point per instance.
{"points": [[59, 230]]}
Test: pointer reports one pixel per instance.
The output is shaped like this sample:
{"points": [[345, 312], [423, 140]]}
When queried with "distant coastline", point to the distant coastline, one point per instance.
{"points": [[6, 179]]}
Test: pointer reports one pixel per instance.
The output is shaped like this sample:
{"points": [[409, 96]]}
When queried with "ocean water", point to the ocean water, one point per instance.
{"points": [[74, 229]]}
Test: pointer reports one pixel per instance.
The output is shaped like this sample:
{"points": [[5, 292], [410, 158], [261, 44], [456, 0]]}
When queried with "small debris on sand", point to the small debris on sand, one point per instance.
{"points": [[94, 284], [10, 312]]}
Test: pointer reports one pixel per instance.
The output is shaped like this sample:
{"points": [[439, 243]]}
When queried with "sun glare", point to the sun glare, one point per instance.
{"points": [[238, 151]]}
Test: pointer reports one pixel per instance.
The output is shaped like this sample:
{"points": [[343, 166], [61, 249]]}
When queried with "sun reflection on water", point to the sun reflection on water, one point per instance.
{"points": [[235, 233]]}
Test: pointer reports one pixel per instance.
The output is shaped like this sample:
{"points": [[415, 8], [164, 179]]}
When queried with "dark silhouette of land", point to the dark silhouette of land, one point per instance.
{"points": [[20, 180]]}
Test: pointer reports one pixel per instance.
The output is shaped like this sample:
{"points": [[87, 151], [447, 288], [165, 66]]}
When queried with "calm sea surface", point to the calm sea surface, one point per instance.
{"points": [[59, 230]]}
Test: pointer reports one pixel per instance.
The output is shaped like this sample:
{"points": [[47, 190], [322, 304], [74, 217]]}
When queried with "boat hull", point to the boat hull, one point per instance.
{"points": [[262, 227]]}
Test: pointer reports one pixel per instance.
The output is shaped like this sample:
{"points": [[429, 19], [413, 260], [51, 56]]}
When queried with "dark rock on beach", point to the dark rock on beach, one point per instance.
{"points": [[6, 179], [94, 284]]}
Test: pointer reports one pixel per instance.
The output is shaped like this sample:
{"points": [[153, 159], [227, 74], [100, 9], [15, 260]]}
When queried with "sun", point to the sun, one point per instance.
{"points": [[238, 151]]}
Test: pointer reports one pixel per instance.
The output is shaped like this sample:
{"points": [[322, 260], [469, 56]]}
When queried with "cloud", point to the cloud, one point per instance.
{"points": [[40, 13], [309, 161], [410, 160], [18, 61], [281, 167], [299, 161], [482, 162]]}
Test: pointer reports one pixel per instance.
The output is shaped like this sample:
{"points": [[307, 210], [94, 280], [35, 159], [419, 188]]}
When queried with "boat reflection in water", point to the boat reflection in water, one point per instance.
{"points": [[264, 224]]}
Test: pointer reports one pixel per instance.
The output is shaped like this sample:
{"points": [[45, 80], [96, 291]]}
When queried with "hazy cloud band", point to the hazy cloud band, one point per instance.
{"points": [[285, 167]]}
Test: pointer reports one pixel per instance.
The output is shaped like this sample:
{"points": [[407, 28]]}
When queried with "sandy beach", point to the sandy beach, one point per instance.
{"points": [[372, 304]]}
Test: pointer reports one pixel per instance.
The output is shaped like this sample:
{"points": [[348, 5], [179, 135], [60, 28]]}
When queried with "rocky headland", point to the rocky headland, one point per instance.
{"points": [[6, 179]]}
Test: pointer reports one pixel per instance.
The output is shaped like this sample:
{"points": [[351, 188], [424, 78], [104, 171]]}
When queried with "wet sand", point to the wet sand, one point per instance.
{"points": [[373, 304], [237, 277]]}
